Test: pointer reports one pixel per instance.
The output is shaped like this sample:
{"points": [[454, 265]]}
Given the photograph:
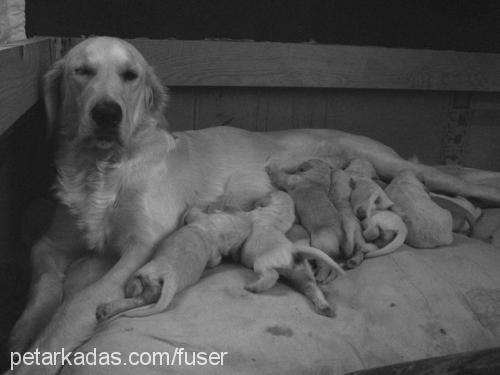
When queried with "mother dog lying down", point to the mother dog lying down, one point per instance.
{"points": [[124, 181]]}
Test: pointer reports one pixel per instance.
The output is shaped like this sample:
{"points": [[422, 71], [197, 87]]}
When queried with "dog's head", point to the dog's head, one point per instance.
{"points": [[102, 93]]}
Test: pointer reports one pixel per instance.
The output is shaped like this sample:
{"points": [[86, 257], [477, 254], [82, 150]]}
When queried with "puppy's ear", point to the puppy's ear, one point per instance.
{"points": [[52, 94], [156, 94]]}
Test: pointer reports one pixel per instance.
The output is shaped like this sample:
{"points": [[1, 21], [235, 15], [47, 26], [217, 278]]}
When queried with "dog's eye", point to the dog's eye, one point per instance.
{"points": [[129, 75], [84, 71]]}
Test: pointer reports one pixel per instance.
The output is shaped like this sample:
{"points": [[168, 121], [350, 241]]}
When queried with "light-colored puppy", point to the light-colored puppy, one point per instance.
{"points": [[301, 276], [428, 224], [179, 261], [388, 229], [125, 181], [308, 184], [340, 195], [366, 195], [270, 253]]}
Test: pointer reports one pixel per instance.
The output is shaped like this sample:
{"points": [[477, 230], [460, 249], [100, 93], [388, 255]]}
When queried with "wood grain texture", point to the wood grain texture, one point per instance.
{"points": [[482, 362], [269, 64], [21, 66], [411, 122]]}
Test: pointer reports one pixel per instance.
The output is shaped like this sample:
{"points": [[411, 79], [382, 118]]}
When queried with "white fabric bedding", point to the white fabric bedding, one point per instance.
{"points": [[409, 305]]}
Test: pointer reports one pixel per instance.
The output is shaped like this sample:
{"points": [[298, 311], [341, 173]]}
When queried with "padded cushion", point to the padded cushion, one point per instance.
{"points": [[409, 305]]}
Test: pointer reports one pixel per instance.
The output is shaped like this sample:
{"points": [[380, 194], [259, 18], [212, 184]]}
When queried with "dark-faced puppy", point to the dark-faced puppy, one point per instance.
{"points": [[308, 185]]}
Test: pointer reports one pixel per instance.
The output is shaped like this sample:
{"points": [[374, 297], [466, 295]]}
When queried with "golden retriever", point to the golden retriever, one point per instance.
{"points": [[124, 181]]}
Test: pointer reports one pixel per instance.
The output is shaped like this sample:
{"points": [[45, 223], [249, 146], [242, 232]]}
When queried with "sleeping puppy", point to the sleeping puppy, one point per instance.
{"points": [[308, 185], [428, 224], [354, 241], [270, 253], [301, 276], [180, 260], [388, 229], [366, 194]]}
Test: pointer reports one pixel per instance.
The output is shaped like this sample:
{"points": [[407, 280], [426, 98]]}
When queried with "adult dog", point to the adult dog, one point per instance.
{"points": [[124, 181]]}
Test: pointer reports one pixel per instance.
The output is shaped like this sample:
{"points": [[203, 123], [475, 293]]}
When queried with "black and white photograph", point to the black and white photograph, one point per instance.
{"points": [[249, 187]]}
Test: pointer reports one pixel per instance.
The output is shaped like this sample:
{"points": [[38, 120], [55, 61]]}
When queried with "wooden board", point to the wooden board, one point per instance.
{"points": [[269, 64], [411, 122], [21, 66]]}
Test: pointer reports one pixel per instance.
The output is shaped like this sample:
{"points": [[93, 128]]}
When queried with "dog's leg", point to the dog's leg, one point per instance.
{"points": [[389, 164], [386, 161], [50, 258], [75, 320]]}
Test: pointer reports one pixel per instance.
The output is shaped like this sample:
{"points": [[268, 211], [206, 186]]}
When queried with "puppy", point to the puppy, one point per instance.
{"points": [[180, 260], [270, 253], [301, 276], [366, 194], [463, 212], [340, 196], [361, 168], [308, 185], [487, 227], [386, 227], [428, 224]]}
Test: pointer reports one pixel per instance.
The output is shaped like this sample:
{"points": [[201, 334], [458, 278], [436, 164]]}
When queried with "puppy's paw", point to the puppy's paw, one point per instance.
{"points": [[354, 261], [326, 310], [147, 286], [253, 288], [103, 311], [324, 274]]}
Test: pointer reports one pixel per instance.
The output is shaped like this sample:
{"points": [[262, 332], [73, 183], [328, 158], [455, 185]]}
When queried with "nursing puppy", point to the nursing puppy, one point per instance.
{"points": [[179, 261], [388, 229], [354, 243], [301, 276], [428, 224], [308, 184], [366, 195], [270, 253], [125, 181]]}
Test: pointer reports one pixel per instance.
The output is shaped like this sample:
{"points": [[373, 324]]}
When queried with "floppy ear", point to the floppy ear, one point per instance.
{"points": [[52, 94], [156, 93]]}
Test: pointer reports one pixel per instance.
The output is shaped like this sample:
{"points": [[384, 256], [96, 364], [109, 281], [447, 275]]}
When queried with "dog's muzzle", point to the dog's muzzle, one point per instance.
{"points": [[107, 116]]}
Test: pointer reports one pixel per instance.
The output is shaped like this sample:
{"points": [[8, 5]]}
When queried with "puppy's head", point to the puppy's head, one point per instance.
{"points": [[102, 93]]}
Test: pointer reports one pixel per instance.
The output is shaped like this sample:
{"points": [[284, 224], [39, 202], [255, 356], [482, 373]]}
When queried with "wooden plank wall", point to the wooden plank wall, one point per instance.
{"points": [[21, 66], [436, 126]]}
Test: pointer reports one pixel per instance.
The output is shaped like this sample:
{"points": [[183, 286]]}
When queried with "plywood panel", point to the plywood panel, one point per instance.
{"points": [[483, 149], [268, 64], [411, 122], [21, 67]]}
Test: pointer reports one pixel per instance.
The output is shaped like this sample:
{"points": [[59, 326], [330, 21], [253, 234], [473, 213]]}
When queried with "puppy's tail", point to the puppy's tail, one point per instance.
{"points": [[313, 253], [168, 291], [395, 244]]}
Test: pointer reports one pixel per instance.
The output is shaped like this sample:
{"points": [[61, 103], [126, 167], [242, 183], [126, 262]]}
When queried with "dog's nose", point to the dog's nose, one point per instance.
{"points": [[107, 114], [361, 213]]}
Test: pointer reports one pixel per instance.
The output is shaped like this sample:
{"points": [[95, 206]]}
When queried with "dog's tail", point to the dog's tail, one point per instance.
{"points": [[314, 253], [395, 244], [168, 291]]}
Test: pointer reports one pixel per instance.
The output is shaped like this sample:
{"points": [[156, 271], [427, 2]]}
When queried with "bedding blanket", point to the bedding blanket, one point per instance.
{"points": [[409, 305]]}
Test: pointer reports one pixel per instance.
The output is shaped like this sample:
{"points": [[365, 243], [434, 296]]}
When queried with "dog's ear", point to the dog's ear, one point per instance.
{"points": [[52, 94], [156, 93]]}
